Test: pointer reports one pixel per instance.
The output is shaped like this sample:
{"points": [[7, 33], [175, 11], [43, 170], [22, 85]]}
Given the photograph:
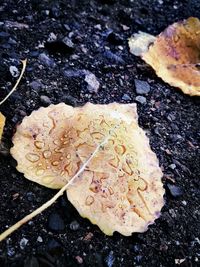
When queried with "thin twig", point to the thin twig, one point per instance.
{"points": [[55, 197], [15, 86]]}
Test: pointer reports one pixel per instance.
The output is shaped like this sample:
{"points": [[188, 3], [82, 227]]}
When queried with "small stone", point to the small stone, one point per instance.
{"points": [[55, 222], [142, 87], [45, 100], [141, 99], [93, 84], [23, 242], [126, 97], [110, 259], [184, 202], [46, 60], [10, 251], [14, 71], [68, 42], [39, 239], [113, 58], [172, 166], [174, 190], [79, 259], [36, 85], [74, 225]]}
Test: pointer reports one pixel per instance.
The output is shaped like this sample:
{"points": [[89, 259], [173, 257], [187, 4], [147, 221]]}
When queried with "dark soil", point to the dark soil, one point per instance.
{"points": [[96, 42]]}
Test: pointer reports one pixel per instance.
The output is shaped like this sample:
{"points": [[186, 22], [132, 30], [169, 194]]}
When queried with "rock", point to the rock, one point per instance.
{"points": [[46, 60], [14, 24], [62, 46], [142, 87], [113, 58], [10, 251], [55, 222], [110, 259], [36, 85], [39, 239], [174, 190], [141, 99], [93, 84], [74, 225], [30, 196], [70, 100], [126, 97], [23, 242], [172, 166], [14, 71], [79, 259], [70, 73], [45, 100]]}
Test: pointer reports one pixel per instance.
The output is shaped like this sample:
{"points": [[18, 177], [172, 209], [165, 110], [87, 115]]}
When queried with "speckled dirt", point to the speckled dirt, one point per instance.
{"points": [[55, 73]]}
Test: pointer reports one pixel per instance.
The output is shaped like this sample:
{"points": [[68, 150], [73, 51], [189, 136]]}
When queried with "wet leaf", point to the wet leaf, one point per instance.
{"points": [[174, 54], [2, 123], [120, 188]]}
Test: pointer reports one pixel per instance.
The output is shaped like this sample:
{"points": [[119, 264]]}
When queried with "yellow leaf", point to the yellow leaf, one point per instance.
{"points": [[2, 123], [120, 188], [174, 54]]}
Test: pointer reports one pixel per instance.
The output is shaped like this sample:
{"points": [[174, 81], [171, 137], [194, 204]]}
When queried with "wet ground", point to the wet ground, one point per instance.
{"points": [[64, 41]]}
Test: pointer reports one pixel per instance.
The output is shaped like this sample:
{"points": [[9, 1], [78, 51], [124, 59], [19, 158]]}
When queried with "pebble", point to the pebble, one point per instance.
{"points": [[23, 242], [113, 58], [46, 60], [45, 100], [79, 259], [36, 85], [142, 87], [14, 71], [110, 259], [172, 166], [10, 251], [74, 225], [141, 99], [174, 190], [39, 239], [68, 42], [126, 97], [93, 84], [55, 222]]}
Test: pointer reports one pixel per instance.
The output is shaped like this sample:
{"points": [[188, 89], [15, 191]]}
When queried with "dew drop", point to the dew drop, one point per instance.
{"points": [[32, 157], [56, 142], [40, 172], [89, 200], [55, 163], [47, 154], [39, 144]]}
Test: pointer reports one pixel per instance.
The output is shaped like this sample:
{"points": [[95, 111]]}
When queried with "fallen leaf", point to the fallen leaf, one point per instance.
{"points": [[174, 54], [120, 188], [2, 123]]}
